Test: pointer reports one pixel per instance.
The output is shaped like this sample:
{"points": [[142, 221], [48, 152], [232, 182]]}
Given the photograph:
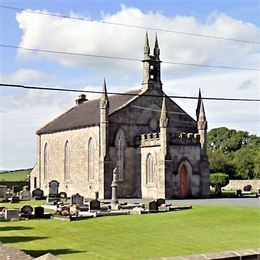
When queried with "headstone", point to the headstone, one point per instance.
{"points": [[153, 206], [12, 214], [248, 188], [7, 196], [94, 205], [160, 201], [26, 210], [2, 213], [77, 199], [25, 195], [15, 189], [38, 193], [53, 188], [53, 191], [38, 212], [3, 189], [14, 199]]}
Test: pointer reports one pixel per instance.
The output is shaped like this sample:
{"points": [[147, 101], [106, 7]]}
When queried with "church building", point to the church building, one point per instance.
{"points": [[158, 149]]}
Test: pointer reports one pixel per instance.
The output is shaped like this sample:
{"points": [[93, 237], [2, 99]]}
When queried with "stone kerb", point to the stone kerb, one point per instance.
{"points": [[151, 139]]}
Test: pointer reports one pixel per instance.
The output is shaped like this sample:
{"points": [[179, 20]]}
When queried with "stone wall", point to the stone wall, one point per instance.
{"points": [[78, 153], [240, 184]]}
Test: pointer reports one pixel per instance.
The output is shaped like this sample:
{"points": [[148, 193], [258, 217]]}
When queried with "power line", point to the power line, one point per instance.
{"points": [[125, 58], [122, 94], [129, 25]]}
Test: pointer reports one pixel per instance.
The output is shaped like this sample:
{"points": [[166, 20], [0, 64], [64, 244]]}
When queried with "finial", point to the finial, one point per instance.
{"points": [[163, 118], [146, 45], [156, 50]]}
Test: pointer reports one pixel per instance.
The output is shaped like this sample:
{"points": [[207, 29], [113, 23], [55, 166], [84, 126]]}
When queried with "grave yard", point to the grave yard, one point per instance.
{"points": [[202, 229]]}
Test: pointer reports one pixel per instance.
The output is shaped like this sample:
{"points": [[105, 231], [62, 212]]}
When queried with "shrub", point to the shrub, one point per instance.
{"points": [[220, 179]]}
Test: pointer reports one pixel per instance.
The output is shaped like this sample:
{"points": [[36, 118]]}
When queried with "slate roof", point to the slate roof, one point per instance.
{"points": [[86, 114]]}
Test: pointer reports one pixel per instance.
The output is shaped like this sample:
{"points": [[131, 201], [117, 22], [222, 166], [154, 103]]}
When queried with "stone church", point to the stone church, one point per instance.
{"points": [[158, 149]]}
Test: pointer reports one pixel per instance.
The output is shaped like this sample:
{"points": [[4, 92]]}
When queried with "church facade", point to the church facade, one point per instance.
{"points": [[157, 148]]}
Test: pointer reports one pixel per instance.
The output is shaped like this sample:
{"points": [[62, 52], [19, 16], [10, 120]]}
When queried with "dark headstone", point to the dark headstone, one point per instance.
{"points": [[94, 205], [39, 212], [239, 193], [248, 188], [14, 199], [15, 189], [26, 209], [77, 199], [160, 201], [37, 193], [53, 188], [153, 206]]}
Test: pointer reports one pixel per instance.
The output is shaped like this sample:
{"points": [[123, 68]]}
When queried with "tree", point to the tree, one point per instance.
{"points": [[218, 180]]}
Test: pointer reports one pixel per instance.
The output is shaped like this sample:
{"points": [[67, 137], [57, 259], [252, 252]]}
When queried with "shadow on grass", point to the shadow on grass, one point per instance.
{"points": [[17, 239], [14, 228], [37, 253]]}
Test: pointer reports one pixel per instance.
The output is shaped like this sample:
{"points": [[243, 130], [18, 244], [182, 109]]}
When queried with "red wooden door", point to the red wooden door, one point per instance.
{"points": [[183, 182]]}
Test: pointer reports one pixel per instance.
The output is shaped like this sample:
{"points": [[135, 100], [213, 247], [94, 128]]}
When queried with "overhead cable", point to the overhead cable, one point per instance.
{"points": [[129, 25]]}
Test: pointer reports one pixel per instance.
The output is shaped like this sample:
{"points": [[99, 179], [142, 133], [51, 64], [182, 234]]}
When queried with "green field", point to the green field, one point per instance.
{"points": [[202, 229], [19, 175]]}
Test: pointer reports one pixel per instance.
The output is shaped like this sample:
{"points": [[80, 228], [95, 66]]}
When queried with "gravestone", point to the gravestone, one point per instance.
{"points": [[160, 201], [25, 194], [39, 212], [77, 199], [153, 206], [248, 188], [38, 194], [53, 191], [15, 189], [94, 205], [14, 199], [3, 189], [12, 214], [26, 211]]}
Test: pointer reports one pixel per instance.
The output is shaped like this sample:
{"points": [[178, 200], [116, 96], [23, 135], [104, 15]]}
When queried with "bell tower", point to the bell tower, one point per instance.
{"points": [[151, 66]]}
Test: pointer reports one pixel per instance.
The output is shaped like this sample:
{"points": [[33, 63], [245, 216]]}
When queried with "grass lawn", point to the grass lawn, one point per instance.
{"points": [[19, 175], [202, 229]]}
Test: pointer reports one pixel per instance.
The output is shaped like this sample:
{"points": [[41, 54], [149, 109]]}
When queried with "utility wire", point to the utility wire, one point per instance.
{"points": [[129, 25], [125, 58], [123, 94]]}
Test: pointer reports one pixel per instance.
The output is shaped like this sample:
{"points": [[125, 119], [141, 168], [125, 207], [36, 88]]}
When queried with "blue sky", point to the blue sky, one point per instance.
{"points": [[23, 112]]}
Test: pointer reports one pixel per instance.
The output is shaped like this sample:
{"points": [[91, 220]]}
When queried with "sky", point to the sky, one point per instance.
{"points": [[23, 111]]}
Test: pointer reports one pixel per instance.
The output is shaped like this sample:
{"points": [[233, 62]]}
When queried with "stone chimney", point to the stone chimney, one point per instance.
{"points": [[81, 99]]}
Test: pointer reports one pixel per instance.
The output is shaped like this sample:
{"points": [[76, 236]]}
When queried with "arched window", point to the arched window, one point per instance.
{"points": [[120, 153], [91, 175], [149, 169], [45, 162], [67, 161]]}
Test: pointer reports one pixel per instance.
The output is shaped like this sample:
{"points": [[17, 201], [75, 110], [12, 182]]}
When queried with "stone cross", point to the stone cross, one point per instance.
{"points": [[114, 199]]}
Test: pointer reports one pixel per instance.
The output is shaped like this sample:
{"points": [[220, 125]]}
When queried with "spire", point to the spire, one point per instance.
{"points": [[146, 45], [156, 50], [202, 116], [104, 98], [198, 105], [163, 118]]}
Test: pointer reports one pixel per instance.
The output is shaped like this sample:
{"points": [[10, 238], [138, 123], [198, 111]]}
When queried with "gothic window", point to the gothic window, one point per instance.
{"points": [[149, 169], [90, 159], [67, 161], [120, 153], [45, 162]]}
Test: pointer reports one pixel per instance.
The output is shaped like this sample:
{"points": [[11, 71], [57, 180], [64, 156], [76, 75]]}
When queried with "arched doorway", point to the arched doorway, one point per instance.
{"points": [[184, 185]]}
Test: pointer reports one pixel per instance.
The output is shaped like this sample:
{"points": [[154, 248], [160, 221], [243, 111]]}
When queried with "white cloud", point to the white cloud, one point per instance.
{"points": [[70, 35], [23, 76]]}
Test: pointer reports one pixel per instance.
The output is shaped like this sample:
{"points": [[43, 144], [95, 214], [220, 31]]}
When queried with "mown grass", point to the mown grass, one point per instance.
{"points": [[202, 229], [19, 175]]}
